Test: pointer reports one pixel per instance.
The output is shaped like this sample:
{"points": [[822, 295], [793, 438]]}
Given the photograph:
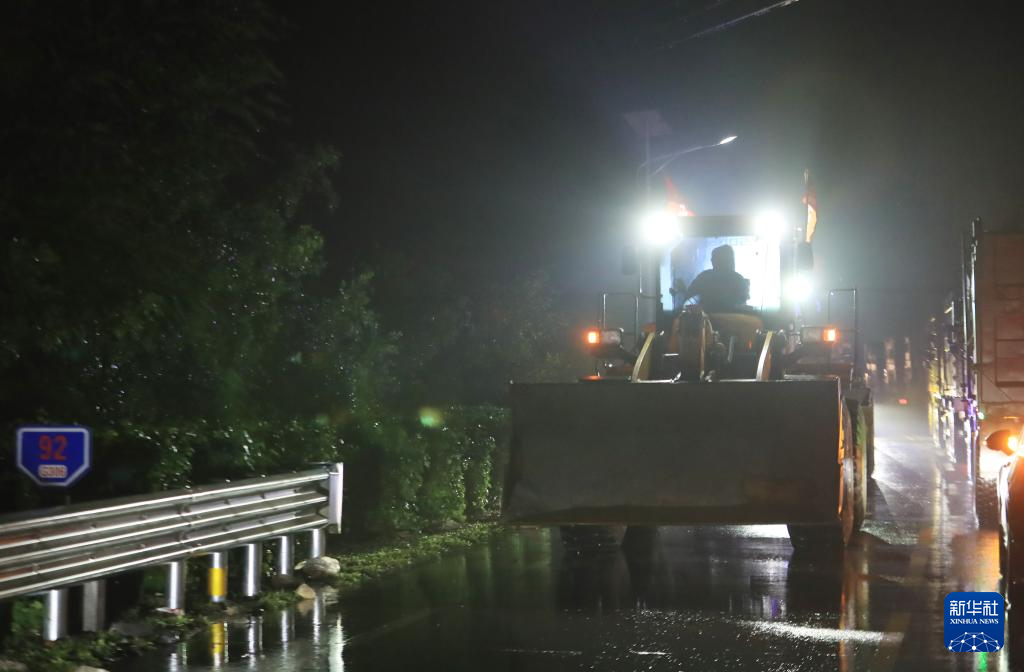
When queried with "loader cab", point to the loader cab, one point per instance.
{"points": [[757, 247]]}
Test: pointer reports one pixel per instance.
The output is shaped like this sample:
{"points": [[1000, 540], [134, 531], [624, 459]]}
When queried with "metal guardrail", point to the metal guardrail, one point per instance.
{"points": [[49, 550]]}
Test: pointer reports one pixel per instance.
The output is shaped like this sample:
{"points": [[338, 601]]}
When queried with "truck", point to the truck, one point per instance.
{"points": [[976, 361], [739, 417]]}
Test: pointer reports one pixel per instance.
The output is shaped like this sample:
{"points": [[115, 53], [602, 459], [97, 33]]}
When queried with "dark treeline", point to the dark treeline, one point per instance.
{"points": [[164, 280]]}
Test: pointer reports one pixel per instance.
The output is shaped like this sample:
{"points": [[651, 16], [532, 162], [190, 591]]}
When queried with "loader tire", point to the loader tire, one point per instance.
{"points": [[578, 538], [817, 539]]}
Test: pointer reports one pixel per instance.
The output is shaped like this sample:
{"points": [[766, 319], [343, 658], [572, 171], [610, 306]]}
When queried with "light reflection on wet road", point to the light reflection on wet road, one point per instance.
{"points": [[697, 598]]}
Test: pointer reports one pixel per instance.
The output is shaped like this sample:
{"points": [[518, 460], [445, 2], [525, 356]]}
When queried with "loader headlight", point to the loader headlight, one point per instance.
{"points": [[659, 228], [770, 224], [798, 288]]}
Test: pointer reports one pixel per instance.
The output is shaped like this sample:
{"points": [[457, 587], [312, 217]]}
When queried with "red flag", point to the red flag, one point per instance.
{"points": [[811, 201], [674, 200]]}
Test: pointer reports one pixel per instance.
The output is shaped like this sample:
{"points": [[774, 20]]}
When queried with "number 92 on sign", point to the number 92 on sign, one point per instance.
{"points": [[54, 456]]}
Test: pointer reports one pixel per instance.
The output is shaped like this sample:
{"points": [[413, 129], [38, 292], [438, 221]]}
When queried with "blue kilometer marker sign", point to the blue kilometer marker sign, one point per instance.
{"points": [[974, 622], [54, 456]]}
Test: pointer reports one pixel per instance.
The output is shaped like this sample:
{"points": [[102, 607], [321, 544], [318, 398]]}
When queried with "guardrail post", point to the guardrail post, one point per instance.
{"points": [[94, 605], [55, 616], [285, 555], [176, 585], [217, 577], [335, 490], [317, 542], [253, 569]]}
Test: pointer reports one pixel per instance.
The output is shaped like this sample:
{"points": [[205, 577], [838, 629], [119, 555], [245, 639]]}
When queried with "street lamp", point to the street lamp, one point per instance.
{"points": [[665, 159]]}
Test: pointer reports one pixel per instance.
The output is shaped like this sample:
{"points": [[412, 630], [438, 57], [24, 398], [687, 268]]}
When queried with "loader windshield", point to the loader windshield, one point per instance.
{"points": [[757, 259]]}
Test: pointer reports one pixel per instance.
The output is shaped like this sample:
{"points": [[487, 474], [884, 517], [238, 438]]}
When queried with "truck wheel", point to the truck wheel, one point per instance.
{"points": [[1013, 575], [986, 502], [961, 440], [869, 420], [1003, 560], [579, 538]]}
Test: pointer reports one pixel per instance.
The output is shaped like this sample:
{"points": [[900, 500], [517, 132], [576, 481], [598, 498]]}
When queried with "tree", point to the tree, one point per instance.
{"points": [[463, 342], [155, 266]]}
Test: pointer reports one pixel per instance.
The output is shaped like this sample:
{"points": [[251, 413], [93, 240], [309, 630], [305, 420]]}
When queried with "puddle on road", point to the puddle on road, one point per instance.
{"points": [[703, 597]]}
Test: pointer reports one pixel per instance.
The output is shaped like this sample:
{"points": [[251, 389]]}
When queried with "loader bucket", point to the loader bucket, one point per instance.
{"points": [[662, 453]]}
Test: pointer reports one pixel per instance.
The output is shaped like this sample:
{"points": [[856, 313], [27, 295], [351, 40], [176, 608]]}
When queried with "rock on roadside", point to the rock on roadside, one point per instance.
{"points": [[12, 666], [285, 581], [306, 592], [319, 569]]}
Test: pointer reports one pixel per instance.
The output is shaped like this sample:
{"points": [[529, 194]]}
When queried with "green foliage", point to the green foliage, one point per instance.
{"points": [[27, 618], [179, 624], [157, 263], [163, 282], [359, 565], [276, 600], [384, 478], [25, 644], [442, 494], [409, 477], [93, 650], [465, 342], [482, 434]]}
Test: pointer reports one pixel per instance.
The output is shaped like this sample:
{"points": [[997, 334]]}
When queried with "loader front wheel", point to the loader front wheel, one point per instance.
{"points": [[585, 537], [827, 538], [835, 536]]}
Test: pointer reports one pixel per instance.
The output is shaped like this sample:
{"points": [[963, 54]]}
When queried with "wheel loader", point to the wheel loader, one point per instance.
{"points": [[691, 417]]}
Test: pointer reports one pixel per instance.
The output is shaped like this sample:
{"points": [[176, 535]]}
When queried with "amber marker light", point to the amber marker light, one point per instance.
{"points": [[593, 337]]}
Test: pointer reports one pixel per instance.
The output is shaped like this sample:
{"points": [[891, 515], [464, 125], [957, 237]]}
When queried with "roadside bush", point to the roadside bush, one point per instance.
{"points": [[442, 494], [403, 479], [483, 437], [383, 476]]}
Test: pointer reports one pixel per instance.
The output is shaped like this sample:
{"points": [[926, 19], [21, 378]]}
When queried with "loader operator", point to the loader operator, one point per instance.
{"points": [[720, 289]]}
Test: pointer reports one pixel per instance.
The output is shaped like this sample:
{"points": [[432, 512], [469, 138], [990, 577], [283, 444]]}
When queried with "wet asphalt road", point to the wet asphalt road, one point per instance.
{"points": [[698, 598]]}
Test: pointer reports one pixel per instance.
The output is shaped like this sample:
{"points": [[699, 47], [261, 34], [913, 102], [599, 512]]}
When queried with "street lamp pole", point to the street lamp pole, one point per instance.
{"points": [[649, 273]]}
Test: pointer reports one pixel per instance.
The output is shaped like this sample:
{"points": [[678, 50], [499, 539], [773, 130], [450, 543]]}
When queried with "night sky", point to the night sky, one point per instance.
{"points": [[491, 136]]}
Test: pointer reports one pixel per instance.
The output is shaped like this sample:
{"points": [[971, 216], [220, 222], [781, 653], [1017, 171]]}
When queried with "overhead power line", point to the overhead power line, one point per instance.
{"points": [[732, 22]]}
